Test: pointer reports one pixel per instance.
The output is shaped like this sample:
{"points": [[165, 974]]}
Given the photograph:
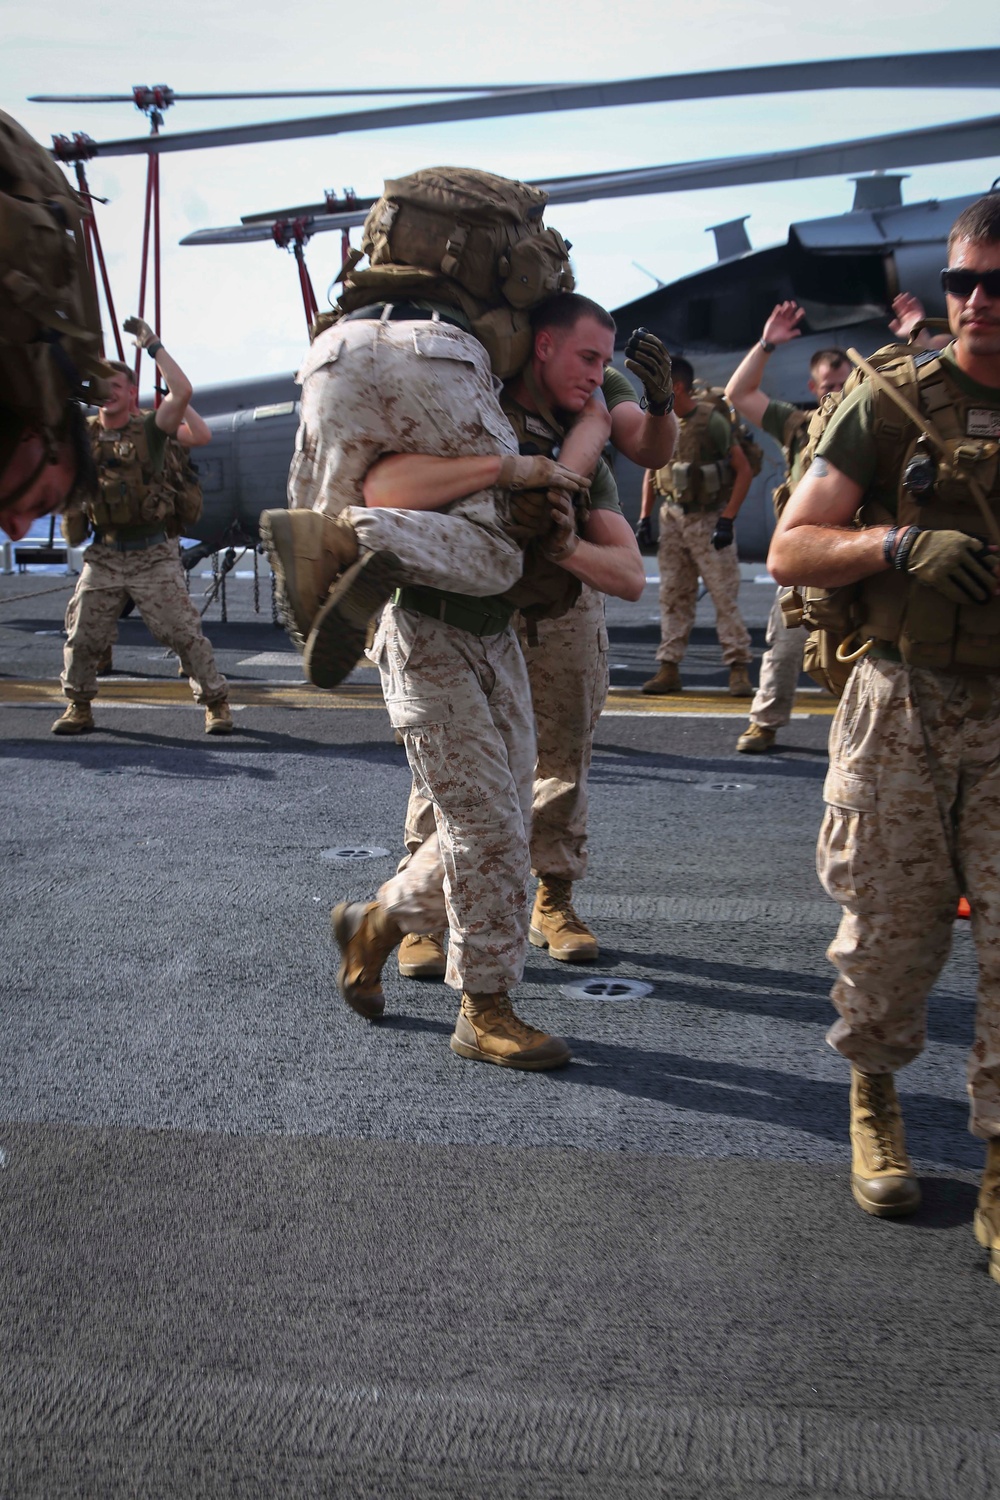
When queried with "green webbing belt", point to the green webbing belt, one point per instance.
{"points": [[478, 616]]}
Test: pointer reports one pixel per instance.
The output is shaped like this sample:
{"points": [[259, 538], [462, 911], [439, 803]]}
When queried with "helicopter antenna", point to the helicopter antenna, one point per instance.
{"points": [[650, 274]]}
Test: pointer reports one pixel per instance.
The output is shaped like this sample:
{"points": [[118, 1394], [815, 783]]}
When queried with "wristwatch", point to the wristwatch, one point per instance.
{"points": [[767, 348]]}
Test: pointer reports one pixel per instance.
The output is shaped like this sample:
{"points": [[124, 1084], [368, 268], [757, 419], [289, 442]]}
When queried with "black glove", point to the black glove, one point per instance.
{"points": [[647, 358], [957, 565], [722, 536], [644, 532]]}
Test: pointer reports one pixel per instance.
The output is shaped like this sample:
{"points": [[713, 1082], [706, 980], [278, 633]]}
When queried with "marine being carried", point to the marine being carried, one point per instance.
{"points": [[456, 688], [897, 523]]}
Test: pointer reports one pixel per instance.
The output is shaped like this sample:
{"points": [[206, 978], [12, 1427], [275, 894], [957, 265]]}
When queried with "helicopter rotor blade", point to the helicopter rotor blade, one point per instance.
{"points": [[971, 68], [380, 93], [965, 140]]}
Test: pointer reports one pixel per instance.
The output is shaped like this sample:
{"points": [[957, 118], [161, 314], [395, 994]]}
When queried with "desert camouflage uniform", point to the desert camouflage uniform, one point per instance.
{"points": [[913, 820], [685, 551], [568, 670], [567, 660], [154, 578], [463, 706], [370, 388], [780, 668]]}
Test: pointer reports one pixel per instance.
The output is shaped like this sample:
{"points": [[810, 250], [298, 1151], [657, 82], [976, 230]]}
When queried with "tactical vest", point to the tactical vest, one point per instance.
{"points": [[544, 591], [957, 457], [793, 437], [129, 492], [687, 482]]}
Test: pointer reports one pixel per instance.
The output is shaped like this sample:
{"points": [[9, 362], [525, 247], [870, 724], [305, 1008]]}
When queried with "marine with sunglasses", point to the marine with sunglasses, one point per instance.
{"points": [[906, 508]]}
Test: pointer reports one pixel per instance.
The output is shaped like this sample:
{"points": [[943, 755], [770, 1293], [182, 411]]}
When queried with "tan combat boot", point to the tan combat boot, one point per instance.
{"points": [[882, 1179], [422, 956], [756, 740], [987, 1220], [218, 717], [366, 935], [487, 1030], [78, 719], [556, 926], [667, 679], [340, 629], [307, 551], [740, 685]]}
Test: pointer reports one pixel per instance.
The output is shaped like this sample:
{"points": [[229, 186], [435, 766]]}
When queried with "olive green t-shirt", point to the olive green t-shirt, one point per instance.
{"points": [[617, 388], [774, 422], [718, 439], [156, 441], [849, 441]]}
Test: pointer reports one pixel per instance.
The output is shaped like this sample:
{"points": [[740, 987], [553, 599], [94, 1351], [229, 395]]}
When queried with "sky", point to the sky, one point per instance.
{"points": [[235, 310]]}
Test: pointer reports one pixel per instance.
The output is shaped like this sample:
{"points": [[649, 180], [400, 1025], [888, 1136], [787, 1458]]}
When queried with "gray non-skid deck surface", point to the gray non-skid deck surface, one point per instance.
{"points": [[250, 1245]]}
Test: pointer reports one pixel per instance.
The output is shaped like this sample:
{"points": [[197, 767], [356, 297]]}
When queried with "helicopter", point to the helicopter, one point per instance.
{"points": [[845, 270]]}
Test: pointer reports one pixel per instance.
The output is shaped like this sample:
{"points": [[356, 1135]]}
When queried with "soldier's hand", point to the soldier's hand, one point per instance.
{"points": [[722, 536], [647, 358], [528, 471], [141, 332], [909, 311], [562, 540], [783, 324], [961, 567], [644, 531], [530, 514]]}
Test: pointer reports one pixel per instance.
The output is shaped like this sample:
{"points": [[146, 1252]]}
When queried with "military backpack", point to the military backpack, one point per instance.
{"points": [[50, 328], [465, 239]]}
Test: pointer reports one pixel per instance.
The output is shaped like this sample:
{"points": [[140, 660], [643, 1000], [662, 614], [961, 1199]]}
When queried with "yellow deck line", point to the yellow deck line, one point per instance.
{"points": [[158, 692]]}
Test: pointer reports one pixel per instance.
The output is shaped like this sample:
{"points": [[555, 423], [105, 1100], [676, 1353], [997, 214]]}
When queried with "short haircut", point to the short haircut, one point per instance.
{"points": [[121, 368], [565, 310], [979, 222], [683, 370], [832, 357]]}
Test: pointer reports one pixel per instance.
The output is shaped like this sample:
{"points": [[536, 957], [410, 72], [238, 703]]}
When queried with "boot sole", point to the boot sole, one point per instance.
{"points": [[337, 639], [275, 533], [526, 1065], [86, 729], [370, 1008], [564, 955], [756, 749], [422, 971], [884, 1210]]}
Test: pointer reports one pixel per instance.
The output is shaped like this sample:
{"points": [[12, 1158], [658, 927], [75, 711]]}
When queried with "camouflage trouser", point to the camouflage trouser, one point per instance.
{"points": [[568, 672], [463, 706], [780, 668], [913, 820], [155, 580], [370, 388], [685, 551]]}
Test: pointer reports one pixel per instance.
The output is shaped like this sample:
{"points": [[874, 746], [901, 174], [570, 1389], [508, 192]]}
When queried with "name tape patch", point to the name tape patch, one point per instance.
{"points": [[984, 421]]}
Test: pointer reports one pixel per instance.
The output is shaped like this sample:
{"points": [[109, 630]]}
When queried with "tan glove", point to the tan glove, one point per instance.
{"points": [[532, 472], [141, 332], [648, 359], [529, 514], [960, 567], [563, 539]]}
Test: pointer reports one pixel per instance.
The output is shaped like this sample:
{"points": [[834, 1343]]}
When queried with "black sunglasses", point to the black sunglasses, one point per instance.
{"points": [[962, 283]]}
